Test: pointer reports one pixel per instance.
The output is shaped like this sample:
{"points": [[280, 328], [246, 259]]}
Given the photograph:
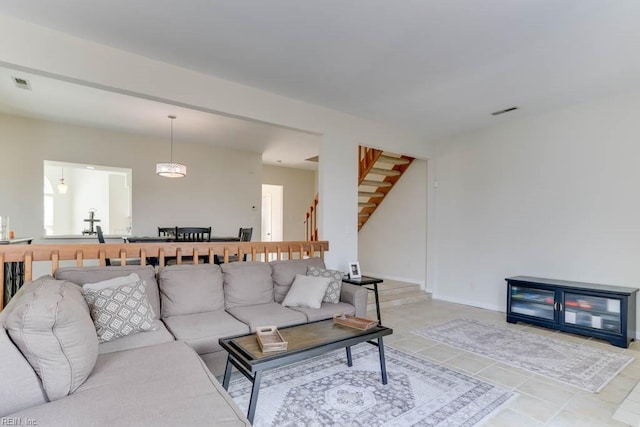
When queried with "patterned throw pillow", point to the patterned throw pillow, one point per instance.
{"points": [[120, 311], [333, 291]]}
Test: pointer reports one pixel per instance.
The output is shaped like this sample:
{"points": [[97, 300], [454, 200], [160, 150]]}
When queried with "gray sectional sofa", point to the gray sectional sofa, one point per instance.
{"points": [[53, 371]]}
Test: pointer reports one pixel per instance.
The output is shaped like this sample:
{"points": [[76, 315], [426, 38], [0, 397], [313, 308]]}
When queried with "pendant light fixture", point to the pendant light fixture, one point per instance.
{"points": [[171, 169], [62, 187]]}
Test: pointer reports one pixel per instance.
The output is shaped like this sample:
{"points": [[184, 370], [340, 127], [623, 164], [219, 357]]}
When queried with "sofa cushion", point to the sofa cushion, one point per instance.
{"points": [[267, 314], [333, 290], [247, 283], [326, 311], [188, 289], [160, 334], [162, 385], [283, 273], [306, 291], [52, 328], [203, 330], [82, 275], [20, 386], [119, 311]]}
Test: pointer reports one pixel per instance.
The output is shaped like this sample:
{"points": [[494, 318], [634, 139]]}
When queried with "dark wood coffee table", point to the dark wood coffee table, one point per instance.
{"points": [[305, 341]]}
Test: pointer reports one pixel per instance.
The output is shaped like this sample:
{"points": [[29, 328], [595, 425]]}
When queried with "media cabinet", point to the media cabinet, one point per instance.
{"points": [[600, 311]]}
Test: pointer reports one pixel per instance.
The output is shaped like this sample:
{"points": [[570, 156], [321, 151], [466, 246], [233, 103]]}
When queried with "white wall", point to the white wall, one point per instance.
{"points": [[551, 196], [74, 59], [299, 191], [393, 242], [219, 190]]}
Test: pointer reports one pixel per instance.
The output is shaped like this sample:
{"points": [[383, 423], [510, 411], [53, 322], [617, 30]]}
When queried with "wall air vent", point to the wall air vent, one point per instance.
{"points": [[21, 83], [506, 110]]}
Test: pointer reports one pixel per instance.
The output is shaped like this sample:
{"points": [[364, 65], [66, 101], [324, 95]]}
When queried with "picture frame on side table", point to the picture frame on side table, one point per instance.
{"points": [[354, 270]]}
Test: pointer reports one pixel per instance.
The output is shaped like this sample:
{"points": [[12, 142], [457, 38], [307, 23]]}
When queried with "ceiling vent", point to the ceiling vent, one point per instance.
{"points": [[21, 83], [506, 110]]}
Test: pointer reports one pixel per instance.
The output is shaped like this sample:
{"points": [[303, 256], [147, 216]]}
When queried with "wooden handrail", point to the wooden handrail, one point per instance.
{"points": [[367, 157], [102, 251], [311, 221]]}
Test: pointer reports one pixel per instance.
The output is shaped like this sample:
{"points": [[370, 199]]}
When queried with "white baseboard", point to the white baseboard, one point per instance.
{"points": [[471, 303], [398, 278]]}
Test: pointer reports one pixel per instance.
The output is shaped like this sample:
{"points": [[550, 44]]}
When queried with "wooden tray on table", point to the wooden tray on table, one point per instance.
{"points": [[354, 322], [269, 339]]}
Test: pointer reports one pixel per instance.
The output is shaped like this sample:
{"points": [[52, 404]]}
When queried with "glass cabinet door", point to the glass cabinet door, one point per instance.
{"points": [[592, 312], [532, 302]]}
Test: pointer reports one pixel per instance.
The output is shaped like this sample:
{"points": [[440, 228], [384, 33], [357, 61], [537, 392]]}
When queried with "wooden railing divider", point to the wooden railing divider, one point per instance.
{"points": [[55, 254]]}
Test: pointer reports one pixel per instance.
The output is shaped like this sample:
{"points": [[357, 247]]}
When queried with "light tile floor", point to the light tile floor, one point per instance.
{"points": [[541, 401]]}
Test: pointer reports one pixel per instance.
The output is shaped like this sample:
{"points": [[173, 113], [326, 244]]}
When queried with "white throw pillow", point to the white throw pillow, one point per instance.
{"points": [[111, 283], [306, 291]]}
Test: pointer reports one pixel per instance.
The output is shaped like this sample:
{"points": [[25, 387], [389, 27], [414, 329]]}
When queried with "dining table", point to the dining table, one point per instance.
{"points": [[158, 239]]}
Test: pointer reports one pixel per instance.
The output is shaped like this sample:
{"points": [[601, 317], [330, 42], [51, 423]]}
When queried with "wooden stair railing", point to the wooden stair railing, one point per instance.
{"points": [[311, 221], [376, 162], [103, 251], [367, 158]]}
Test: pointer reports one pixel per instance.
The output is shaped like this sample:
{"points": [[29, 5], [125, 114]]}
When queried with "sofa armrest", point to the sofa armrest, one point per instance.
{"points": [[356, 296]]}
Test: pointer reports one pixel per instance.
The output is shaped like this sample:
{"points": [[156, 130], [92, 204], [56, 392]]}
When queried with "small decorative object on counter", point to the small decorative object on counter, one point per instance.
{"points": [[4, 227]]}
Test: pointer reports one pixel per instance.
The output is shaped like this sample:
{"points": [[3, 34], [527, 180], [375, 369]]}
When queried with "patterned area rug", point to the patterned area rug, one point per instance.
{"points": [[324, 391], [582, 366]]}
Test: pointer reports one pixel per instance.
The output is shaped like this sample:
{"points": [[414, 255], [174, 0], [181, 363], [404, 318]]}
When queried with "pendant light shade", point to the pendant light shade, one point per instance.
{"points": [[171, 169], [62, 187]]}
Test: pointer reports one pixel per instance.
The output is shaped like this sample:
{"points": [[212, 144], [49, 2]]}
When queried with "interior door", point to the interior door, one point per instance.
{"points": [[266, 217]]}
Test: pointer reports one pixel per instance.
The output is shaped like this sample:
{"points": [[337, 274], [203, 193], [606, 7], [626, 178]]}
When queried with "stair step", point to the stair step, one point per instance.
{"points": [[370, 194], [372, 183], [366, 205], [363, 214], [395, 294], [371, 307], [393, 160], [385, 172]]}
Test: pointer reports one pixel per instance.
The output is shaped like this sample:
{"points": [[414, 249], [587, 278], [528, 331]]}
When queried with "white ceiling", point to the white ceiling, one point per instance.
{"points": [[432, 67]]}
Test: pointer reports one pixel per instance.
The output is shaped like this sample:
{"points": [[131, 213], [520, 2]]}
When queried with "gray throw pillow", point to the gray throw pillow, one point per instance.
{"points": [[333, 291], [50, 324], [120, 311]]}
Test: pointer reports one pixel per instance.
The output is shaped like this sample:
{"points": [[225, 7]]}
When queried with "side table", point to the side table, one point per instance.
{"points": [[366, 282]]}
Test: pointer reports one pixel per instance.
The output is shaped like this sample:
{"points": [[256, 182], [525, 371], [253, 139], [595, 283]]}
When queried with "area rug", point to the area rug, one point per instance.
{"points": [[581, 366], [324, 391]]}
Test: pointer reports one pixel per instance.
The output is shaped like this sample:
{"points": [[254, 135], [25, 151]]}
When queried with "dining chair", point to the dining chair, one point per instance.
{"points": [[193, 234], [167, 231], [130, 261], [244, 234], [101, 240]]}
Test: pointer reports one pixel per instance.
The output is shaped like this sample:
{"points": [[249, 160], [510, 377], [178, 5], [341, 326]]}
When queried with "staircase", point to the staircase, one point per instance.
{"points": [[378, 172], [393, 293]]}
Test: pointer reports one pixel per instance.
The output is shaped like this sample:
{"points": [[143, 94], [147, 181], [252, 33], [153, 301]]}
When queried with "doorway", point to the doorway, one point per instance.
{"points": [[272, 212]]}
